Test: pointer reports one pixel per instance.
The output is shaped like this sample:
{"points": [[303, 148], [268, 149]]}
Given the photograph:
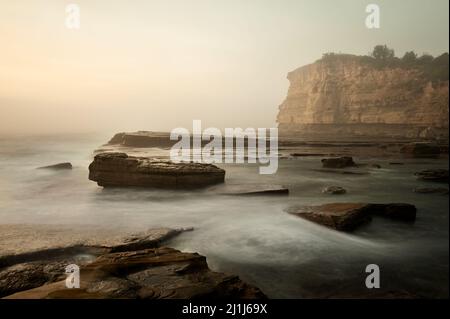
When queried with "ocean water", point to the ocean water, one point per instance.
{"points": [[250, 236]]}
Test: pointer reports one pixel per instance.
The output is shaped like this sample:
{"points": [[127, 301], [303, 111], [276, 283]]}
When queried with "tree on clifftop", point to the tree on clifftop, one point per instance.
{"points": [[383, 53]]}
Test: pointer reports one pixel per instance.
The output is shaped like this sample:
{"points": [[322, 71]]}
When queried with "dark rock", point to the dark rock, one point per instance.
{"points": [[58, 166], [433, 175], [334, 190], [121, 170], [338, 162], [348, 216], [250, 189], [398, 211], [376, 165], [149, 239], [430, 190], [151, 273], [142, 139], [307, 154], [396, 163], [339, 216], [341, 172], [421, 149]]}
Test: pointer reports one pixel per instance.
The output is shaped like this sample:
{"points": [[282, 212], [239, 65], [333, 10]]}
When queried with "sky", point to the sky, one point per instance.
{"points": [[159, 64]]}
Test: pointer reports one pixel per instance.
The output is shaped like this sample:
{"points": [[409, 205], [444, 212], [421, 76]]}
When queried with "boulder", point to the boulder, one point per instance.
{"points": [[421, 149], [338, 162], [433, 175], [147, 274], [121, 170], [57, 166], [348, 216]]}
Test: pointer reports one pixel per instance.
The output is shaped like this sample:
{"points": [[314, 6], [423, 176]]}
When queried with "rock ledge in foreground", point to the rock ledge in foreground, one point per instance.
{"points": [[121, 170]]}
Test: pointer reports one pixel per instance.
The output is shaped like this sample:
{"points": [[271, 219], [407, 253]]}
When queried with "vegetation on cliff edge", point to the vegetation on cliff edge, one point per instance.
{"points": [[434, 69]]}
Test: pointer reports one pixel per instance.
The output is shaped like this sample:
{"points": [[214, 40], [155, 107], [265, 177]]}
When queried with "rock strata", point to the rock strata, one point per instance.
{"points": [[156, 273], [121, 170], [345, 96], [134, 266]]}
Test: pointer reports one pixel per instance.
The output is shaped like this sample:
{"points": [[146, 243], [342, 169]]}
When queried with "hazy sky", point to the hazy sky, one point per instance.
{"points": [[159, 64]]}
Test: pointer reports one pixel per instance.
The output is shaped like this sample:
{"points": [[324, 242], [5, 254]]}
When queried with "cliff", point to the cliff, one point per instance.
{"points": [[349, 97]]}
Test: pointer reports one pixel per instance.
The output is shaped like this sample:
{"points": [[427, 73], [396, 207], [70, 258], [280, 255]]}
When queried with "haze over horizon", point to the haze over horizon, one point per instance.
{"points": [[157, 65]]}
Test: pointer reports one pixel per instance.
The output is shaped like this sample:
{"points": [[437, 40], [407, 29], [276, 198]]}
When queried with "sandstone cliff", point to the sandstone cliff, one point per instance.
{"points": [[348, 97]]}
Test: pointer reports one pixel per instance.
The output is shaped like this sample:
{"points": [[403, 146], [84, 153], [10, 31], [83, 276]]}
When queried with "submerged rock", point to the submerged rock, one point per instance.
{"points": [[250, 189], [433, 175], [430, 190], [121, 170], [336, 190], [338, 162], [339, 216], [421, 149], [398, 211], [58, 166], [348, 216]]}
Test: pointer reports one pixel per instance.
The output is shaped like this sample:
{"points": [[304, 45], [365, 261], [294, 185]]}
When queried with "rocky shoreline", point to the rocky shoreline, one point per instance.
{"points": [[127, 266], [139, 265]]}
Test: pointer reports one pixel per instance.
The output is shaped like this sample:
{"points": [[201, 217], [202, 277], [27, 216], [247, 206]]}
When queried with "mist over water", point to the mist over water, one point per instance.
{"points": [[250, 236]]}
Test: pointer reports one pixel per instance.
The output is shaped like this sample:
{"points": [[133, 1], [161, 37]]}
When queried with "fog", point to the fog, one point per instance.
{"points": [[157, 65]]}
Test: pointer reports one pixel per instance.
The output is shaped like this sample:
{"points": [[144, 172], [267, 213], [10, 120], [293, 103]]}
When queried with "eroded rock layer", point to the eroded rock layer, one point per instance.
{"points": [[348, 98], [121, 170]]}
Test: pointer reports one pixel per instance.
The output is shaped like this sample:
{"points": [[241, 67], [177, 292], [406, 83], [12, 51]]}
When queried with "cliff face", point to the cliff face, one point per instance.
{"points": [[348, 98]]}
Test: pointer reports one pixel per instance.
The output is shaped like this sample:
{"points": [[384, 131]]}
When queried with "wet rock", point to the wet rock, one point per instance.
{"points": [[398, 211], [376, 165], [433, 175], [20, 244], [307, 154], [57, 166], [250, 189], [142, 139], [336, 190], [421, 149], [341, 172], [339, 216], [430, 190], [149, 239], [121, 170], [348, 216], [149, 274], [30, 275], [338, 162]]}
